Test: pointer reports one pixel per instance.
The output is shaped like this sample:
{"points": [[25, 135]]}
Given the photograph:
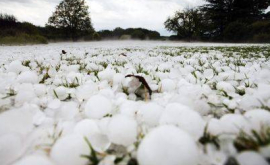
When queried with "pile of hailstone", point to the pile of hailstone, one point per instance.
{"points": [[210, 105]]}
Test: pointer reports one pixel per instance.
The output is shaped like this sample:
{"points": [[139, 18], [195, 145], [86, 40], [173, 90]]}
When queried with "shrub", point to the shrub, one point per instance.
{"points": [[96, 36], [262, 38], [236, 31], [23, 39]]}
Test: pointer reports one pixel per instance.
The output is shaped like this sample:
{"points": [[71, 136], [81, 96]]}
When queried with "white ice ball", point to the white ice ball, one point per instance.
{"points": [[258, 118], [208, 73], [11, 148], [118, 79], [16, 121], [28, 77], [40, 89], [16, 67], [106, 74], [97, 107], [34, 160], [167, 145], [265, 151], [129, 108], [84, 92], [183, 117], [225, 86], [61, 93], [54, 104], [150, 113], [86, 127], [234, 123], [167, 85], [24, 97], [68, 111], [122, 130], [68, 150], [250, 158], [90, 129]]}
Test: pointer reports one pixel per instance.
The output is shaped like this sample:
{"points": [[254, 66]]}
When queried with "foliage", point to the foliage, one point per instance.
{"points": [[72, 16], [23, 39], [227, 20], [14, 32], [96, 36], [186, 24], [236, 31], [253, 141], [130, 33], [207, 138], [7, 20]]}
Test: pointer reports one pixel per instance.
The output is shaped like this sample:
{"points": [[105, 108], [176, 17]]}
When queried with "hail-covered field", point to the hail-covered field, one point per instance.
{"points": [[135, 103]]}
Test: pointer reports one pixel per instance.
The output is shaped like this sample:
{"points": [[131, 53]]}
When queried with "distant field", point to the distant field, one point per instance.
{"points": [[73, 103]]}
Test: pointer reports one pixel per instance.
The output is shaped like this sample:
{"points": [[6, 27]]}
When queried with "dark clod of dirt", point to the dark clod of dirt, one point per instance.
{"points": [[143, 81], [64, 52], [123, 54]]}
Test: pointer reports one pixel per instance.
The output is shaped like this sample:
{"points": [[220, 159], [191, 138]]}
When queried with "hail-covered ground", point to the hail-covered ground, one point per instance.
{"points": [[200, 104]]}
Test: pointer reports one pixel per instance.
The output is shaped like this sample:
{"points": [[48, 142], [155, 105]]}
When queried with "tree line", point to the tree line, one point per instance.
{"points": [[223, 20], [217, 20], [15, 32], [70, 21], [130, 33]]}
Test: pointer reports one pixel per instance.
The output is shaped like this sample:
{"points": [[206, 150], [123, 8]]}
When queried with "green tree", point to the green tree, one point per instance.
{"points": [[7, 20], [118, 32], [236, 32], [249, 10], [221, 13], [138, 34], [186, 24], [73, 17]]}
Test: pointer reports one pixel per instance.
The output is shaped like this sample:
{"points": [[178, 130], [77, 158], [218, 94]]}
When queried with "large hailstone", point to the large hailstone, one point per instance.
{"points": [[68, 150], [61, 92], [106, 74], [16, 121], [68, 111], [213, 127], [24, 96], [40, 89], [28, 77], [251, 158], [16, 67], [234, 123], [258, 118], [86, 127], [84, 92], [97, 107], [168, 145], [118, 79], [208, 73], [150, 113], [225, 86], [129, 108], [90, 129], [167, 85], [11, 148], [183, 117], [34, 160], [122, 130], [265, 151]]}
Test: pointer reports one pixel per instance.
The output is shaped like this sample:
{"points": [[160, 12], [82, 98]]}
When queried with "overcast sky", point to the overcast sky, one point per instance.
{"points": [[105, 14]]}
